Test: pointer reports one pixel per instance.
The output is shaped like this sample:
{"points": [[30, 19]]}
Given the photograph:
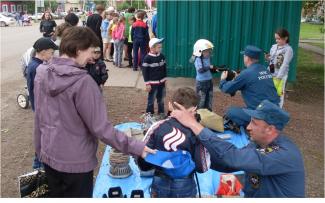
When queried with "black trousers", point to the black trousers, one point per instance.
{"points": [[130, 47], [112, 50], [69, 184]]}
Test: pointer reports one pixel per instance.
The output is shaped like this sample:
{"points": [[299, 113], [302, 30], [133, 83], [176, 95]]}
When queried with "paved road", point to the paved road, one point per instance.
{"points": [[14, 42]]}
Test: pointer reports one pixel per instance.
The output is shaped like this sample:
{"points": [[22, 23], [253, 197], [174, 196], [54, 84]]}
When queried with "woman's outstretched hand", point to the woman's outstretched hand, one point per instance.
{"points": [[147, 151]]}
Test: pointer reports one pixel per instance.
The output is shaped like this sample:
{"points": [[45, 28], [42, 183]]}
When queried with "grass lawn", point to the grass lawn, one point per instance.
{"points": [[308, 31], [309, 84], [320, 45], [310, 68]]}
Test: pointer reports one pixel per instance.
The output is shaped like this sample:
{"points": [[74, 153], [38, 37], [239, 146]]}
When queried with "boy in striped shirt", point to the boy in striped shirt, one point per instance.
{"points": [[154, 74]]}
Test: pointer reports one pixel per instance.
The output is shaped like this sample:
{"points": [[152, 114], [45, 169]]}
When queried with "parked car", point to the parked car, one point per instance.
{"points": [[63, 13], [7, 14], [38, 16], [6, 21], [55, 16]]}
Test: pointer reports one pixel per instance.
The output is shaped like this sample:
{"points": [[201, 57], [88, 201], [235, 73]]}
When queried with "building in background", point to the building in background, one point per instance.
{"points": [[74, 5], [13, 6]]}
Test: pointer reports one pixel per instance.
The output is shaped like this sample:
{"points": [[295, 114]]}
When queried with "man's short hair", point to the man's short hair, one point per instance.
{"points": [[72, 19], [186, 97], [77, 38]]}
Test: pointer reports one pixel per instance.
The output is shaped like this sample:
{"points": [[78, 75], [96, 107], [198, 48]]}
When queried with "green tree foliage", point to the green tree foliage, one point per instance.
{"points": [[140, 4]]}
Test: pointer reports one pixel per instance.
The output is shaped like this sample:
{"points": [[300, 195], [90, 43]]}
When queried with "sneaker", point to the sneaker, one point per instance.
{"points": [[161, 116]]}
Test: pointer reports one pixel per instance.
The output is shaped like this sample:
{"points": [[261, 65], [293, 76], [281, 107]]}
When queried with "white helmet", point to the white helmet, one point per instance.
{"points": [[200, 46], [111, 9]]}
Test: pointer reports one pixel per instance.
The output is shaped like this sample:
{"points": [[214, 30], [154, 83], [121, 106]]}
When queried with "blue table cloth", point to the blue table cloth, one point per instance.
{"points": [[209, 181]]}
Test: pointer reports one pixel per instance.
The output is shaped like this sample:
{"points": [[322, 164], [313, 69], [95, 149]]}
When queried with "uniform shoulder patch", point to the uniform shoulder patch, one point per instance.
{"points": [[268, 149]]}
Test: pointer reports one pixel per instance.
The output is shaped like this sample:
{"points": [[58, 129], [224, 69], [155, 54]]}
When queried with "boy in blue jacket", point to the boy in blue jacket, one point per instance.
{"points": [[44, 48], [140, 38], [171, 136]]}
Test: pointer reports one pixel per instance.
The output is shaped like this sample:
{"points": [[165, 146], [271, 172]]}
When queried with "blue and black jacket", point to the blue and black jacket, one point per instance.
{"points": [[170, 135], [139, 32]]}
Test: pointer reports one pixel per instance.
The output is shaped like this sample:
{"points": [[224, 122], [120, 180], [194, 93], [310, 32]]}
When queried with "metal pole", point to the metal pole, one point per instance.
{"points": [[35, 7], [35, 10]]}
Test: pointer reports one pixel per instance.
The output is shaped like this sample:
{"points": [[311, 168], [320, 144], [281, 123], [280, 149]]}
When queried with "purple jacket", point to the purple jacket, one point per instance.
{"points": [[70, 117]]}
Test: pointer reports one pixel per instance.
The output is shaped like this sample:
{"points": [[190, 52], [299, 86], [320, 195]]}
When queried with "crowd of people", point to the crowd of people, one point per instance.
{"points": [[71, 115]]}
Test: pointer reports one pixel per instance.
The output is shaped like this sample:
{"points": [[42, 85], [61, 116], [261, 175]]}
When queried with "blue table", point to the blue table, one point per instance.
{"points": [[209, 181]]}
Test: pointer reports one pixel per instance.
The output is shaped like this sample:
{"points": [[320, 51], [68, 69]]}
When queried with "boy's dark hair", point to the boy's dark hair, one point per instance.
{"points": [[77, 38], [186, 97], [100, 8], [131, 10], [132, 18], [141, 15], [283, 33], [72, 19]]}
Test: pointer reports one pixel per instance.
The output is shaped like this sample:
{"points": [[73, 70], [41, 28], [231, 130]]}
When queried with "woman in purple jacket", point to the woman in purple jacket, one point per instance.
{"points": [[70, 117]]}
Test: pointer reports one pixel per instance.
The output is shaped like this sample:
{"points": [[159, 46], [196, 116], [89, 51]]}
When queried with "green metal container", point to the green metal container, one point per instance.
{"points": [[229, 25]]}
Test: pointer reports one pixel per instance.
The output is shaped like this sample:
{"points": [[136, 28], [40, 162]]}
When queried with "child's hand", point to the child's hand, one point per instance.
{"points": [[148, 88], [267, 57], [224, 75]]}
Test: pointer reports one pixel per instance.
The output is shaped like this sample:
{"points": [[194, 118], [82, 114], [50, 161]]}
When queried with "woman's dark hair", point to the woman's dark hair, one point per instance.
{"points": [[43, 16], [60, 29], [283, 33], [77, 38], [72, 19]]}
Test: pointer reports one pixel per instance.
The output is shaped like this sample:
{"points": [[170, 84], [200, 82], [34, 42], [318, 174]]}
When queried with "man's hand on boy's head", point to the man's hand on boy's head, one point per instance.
{"points": [[187, 118]]}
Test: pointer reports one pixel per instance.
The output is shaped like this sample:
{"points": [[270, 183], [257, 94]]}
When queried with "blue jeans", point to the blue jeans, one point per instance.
{"points": [[118, 51], [37, 163], [204, 90], [159, 92], [166, 187], [238, 116], [142, 45]]}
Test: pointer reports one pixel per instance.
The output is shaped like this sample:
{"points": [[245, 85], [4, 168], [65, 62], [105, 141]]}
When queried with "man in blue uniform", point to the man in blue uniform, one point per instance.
{"points": [[272, 163], [255, 84]]}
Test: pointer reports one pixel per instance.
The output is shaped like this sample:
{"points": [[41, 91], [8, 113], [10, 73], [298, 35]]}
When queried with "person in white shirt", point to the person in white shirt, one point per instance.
{"points": [[279, 59]]}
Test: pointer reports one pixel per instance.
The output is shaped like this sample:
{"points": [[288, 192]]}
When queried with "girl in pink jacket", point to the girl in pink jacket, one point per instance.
{"points": [[118, 37]]}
